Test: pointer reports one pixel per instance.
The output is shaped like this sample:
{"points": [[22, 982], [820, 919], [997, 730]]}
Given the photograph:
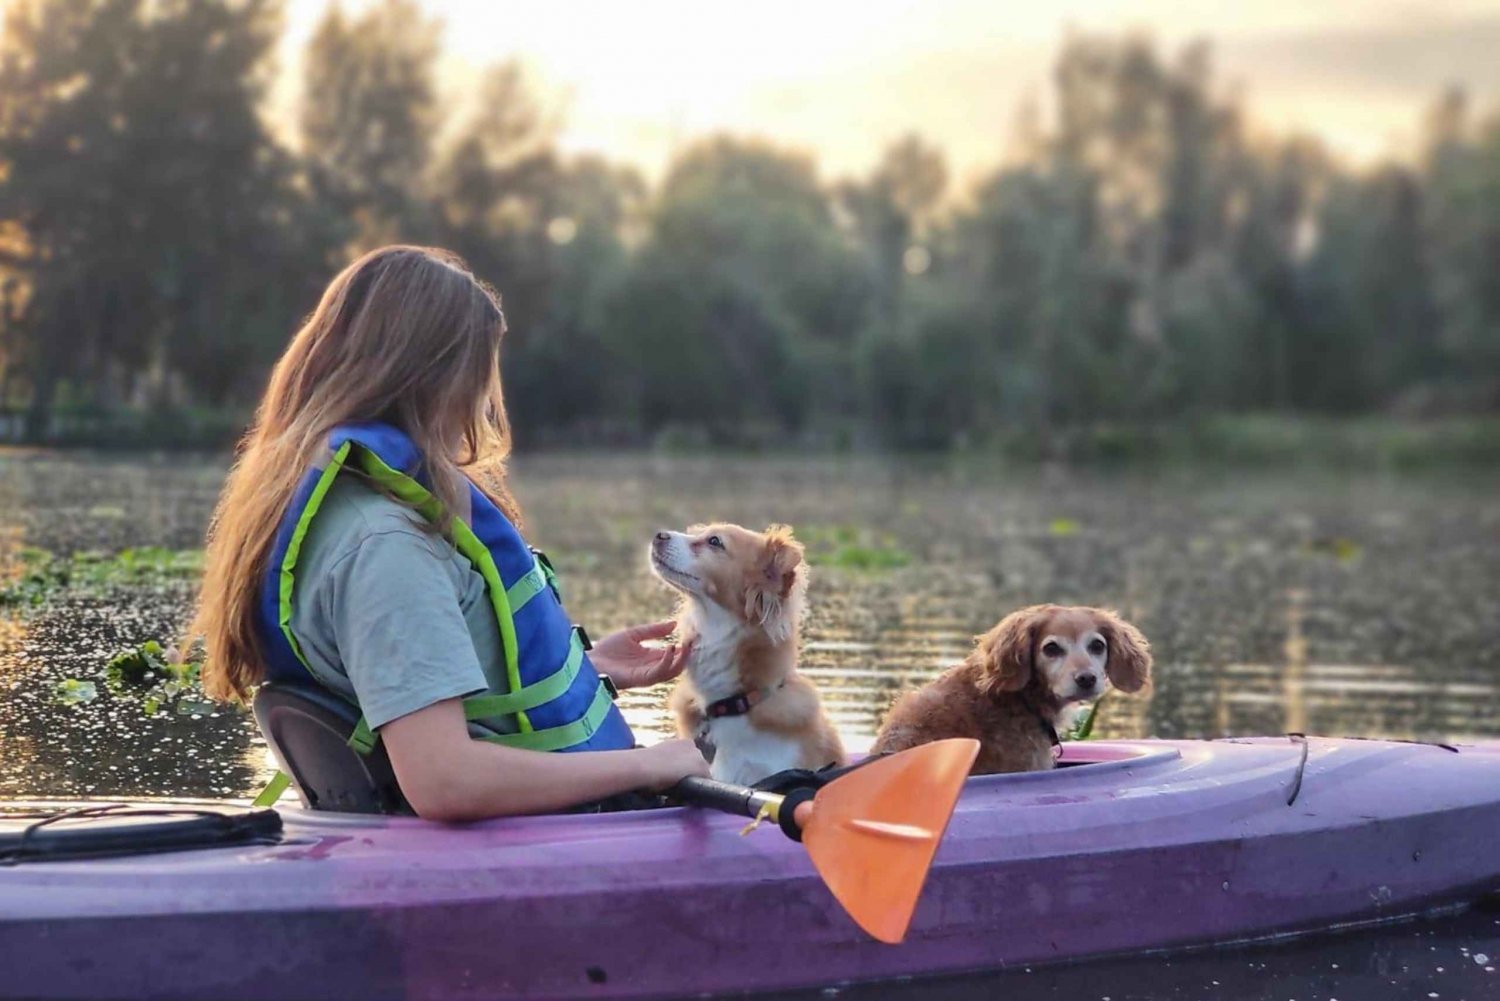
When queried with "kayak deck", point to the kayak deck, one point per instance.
{"points": [[1143, 845]]}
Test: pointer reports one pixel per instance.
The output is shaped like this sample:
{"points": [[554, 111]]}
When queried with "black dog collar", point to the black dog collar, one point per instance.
{"points": [[740, 703], [1048, 730]]}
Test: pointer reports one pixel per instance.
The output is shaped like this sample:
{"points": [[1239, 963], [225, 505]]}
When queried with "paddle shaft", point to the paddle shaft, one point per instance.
{"points": [[715, 795], [748, 802]]}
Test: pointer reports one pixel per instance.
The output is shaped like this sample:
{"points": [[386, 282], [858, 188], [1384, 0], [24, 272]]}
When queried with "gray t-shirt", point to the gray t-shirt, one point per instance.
{"points": [[388, 613]]}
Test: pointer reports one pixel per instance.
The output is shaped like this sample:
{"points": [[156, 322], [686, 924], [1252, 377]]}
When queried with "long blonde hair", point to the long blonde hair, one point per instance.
{"points": [[404, 335]]}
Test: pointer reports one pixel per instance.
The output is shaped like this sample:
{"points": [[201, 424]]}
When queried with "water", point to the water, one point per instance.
{"points": [[1448, 956], [1310, 602]]}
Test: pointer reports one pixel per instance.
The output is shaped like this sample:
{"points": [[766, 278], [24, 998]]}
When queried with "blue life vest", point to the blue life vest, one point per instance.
{"points": [[557, 699]]}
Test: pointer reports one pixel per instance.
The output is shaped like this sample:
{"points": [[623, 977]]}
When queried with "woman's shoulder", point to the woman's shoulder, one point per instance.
{"points": [[354, 514], [366, 507]]}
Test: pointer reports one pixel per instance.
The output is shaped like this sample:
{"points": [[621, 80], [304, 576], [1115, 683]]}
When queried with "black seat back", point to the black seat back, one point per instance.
{"points": [[308, 729]]}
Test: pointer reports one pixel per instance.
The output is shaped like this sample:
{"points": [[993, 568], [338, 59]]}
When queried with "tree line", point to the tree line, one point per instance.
{"points": [[1141, 255]]}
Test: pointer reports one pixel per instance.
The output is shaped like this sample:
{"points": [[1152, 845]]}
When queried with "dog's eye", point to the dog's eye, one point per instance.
{"points": [[1096, 647], [1052, 649], [716, 542]]}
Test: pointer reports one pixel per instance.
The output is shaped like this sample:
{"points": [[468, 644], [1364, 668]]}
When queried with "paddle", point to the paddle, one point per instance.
{"points": [[871, 833]]}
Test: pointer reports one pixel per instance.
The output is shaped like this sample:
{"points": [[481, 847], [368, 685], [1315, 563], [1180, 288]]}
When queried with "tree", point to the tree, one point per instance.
{"points": [[743, 281], [1138, 256], [136, 174], [369, 115], [1462, 174], [1378, 325], [548, 230], [894, 211]]}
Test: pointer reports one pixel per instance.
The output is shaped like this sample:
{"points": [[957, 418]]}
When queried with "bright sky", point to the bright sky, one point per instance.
{"points": [[637, 80]]}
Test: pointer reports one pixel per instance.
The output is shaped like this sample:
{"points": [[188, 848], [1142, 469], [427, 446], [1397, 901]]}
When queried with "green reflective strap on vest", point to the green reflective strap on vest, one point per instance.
{"points": [[273, 790], [540, 693], [294, 547], [559, 737], [528, 587], [363, 739], [555, 738], [479, 556]]}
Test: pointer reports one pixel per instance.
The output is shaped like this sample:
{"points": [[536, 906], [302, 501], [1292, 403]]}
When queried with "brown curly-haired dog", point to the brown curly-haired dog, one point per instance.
{"points": [[1009, 693]]}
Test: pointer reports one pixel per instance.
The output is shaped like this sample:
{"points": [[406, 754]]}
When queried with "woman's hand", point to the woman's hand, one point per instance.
{"points": [[671, 761], [630, 665]]}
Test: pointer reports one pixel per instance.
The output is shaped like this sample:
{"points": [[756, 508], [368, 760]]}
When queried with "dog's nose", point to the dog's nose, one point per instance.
{"points": [[663, 536], [1085, 681]]}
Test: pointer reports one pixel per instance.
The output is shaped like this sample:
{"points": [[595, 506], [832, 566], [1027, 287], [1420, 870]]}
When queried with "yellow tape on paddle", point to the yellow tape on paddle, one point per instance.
{"points": [[766, 812]]}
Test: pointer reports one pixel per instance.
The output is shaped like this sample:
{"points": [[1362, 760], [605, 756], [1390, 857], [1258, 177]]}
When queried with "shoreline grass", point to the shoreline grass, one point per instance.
{"points": [[1262, 440]]}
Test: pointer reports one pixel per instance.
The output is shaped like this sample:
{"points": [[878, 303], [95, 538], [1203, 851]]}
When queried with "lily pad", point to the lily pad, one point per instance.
{"points": [[1062, 528], [73, 692]]}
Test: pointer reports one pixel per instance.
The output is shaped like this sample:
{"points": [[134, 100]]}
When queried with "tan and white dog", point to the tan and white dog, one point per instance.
{"points": [[743, 594]]}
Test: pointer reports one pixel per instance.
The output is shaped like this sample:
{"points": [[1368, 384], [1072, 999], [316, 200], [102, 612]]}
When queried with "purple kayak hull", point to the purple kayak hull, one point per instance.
{"points": [[1151, 845]]}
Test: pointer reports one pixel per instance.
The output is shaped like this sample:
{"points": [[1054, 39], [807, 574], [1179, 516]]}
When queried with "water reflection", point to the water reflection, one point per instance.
{"points": [[1442, 956], [1275, 603]]}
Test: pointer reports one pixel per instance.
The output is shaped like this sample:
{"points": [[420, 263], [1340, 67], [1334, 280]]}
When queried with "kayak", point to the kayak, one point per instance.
{"points": [[1130, 846]]}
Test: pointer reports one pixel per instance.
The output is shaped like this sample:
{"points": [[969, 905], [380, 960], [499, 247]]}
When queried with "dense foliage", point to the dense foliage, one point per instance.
{"points": [[1139, 257]]}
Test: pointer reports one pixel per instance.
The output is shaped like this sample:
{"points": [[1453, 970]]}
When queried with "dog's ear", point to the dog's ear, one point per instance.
{"points": [[781, 560], [773, 594], [1004, 654], [1129, 663]]}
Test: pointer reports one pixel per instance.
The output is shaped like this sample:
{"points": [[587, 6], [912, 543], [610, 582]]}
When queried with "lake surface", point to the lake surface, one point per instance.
{"points": [[1312, 601]]}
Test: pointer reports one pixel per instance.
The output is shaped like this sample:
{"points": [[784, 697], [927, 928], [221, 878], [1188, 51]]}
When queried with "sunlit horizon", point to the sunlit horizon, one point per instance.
{"points": [[637, 83]]}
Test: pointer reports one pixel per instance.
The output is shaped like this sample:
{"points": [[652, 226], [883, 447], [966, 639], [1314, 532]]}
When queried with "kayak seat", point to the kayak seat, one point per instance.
{"points": [[308, 729]]}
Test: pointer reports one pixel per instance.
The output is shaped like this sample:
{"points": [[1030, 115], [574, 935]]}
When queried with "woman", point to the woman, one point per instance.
{"points": [[365, 538]]}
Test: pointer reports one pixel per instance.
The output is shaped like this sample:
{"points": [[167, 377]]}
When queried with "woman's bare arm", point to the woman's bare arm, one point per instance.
{"points": [[447, 775]]}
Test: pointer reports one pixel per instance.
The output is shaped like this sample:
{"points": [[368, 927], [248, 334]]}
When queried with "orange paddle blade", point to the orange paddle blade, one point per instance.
{"points": [[872, 833]]}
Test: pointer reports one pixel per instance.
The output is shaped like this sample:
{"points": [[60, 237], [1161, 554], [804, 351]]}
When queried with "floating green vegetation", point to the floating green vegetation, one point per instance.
{"points": [[151, 674], [1339, 548], [849, 547], [38, 574], [158, 677], [72, 692]]}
